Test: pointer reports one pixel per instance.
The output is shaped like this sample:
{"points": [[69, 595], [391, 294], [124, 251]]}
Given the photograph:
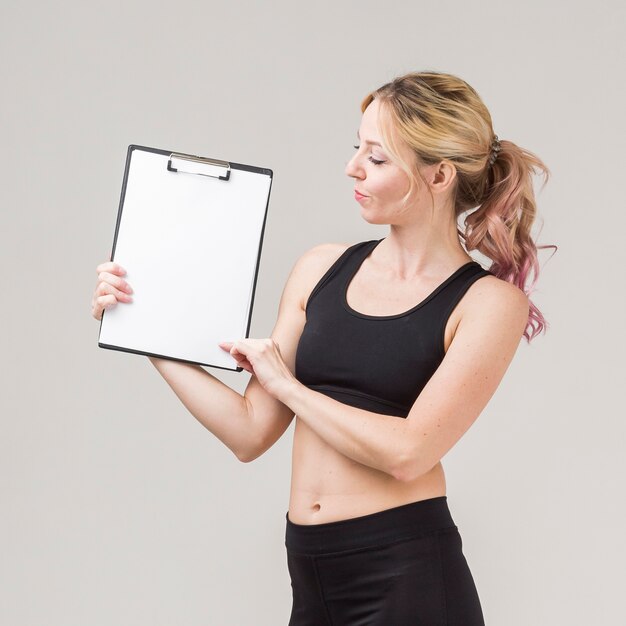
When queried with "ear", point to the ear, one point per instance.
{"points": [[442, 177]]}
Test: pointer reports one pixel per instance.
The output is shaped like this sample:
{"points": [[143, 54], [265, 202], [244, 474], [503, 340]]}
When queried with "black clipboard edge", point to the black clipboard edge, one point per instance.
{"points": [[238, 166], [233, 165], [163, 356]]}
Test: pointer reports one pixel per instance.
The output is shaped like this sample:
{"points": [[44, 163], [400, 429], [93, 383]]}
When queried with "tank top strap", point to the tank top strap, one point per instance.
{"points": [[347, 261], [448, 298], [435, 318]]}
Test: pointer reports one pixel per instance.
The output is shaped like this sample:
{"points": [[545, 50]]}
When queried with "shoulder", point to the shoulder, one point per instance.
{"points": [[312, 264], [496, 301], [322, 255]]}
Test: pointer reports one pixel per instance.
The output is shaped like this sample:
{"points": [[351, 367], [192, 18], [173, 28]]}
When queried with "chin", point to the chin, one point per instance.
{"points": [[372, 218]]}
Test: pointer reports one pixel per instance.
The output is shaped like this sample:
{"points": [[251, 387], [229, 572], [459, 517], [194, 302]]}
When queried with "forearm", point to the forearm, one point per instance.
{"points": [[220, 409], [373, 439]]}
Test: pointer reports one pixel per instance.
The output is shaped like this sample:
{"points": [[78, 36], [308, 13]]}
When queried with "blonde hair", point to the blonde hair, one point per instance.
{"points": [[441, 117]]}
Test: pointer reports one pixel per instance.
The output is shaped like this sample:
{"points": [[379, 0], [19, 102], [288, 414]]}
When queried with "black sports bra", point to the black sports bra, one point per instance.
{"points": [[377, 363]]}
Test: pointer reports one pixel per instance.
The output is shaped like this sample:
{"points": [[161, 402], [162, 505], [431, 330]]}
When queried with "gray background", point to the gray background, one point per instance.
{"points": [[118, 507]]}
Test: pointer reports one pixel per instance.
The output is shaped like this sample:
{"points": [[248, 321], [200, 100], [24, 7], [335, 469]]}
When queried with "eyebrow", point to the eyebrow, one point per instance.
{"points": [[372, 143]]}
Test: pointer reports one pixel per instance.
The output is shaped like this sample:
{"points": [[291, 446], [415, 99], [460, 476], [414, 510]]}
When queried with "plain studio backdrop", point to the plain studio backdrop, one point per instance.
{"points": [[117, 506]]}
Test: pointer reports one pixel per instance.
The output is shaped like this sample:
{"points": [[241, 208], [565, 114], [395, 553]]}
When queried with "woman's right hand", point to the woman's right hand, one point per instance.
{"points": [[110, 288]]}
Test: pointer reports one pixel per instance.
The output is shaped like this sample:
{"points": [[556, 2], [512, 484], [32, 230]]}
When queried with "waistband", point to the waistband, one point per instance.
{"points": [[400, 522]]}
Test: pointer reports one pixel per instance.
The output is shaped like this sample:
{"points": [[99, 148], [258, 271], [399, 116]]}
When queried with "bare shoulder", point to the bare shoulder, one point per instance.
{"points": [[324, 253], [313, 264], [496, 299]]}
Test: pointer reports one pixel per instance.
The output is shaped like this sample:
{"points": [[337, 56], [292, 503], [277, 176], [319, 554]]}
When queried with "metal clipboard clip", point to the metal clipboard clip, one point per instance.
{"points": [[191, 164]]}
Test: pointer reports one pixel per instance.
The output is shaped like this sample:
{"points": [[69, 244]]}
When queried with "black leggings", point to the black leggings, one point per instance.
{"points": [[403, 566]]}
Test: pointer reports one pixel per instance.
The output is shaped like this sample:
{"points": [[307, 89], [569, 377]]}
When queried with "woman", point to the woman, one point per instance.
{"points": [[408, 326]]}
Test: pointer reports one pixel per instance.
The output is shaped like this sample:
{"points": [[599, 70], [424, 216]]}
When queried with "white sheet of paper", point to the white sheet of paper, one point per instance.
{"points": [[190, 245]]}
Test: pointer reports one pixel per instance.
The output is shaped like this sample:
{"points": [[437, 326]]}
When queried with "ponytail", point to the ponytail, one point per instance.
{"points": [[500, 228]]}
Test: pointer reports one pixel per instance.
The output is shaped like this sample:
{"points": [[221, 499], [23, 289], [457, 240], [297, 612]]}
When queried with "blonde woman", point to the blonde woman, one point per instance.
{"points": [[387, 351]]}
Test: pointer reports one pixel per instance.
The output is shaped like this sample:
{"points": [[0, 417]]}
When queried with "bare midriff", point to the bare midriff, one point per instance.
{"points": [[327, 486]]}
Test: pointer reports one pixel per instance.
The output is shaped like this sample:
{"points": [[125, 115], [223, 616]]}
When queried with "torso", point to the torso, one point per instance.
{"points": [[328, 486]]}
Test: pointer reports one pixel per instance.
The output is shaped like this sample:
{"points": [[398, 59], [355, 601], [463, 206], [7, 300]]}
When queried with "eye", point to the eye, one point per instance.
{"points": [[372, 159]]}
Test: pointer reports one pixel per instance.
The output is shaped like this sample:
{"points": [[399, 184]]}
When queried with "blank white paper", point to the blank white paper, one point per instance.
{"points": [[190, 245]]}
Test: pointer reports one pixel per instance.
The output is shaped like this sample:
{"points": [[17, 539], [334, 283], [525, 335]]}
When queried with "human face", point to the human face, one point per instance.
{"points": [[381, 182]]}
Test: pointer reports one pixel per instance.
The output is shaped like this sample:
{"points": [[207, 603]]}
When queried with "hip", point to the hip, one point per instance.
{"points": [[400, 565], [393, 524]]}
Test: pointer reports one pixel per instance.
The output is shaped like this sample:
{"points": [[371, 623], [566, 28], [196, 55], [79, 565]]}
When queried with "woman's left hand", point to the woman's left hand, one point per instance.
{"points": [[262, 358]]}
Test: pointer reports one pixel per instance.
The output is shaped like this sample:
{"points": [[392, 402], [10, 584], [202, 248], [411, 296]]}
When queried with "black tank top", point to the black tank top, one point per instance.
{"points": [[377, 363]]}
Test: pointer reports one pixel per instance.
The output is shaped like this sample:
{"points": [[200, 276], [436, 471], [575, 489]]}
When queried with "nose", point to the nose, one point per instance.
{"points": [[353, 169]]}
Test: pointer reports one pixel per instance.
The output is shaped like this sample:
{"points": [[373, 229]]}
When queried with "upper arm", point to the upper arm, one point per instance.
{"points": [[481, 351], [270, 417]]}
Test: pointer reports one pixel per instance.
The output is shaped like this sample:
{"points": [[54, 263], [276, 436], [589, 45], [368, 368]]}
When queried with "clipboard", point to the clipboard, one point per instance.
{"points": [[189, 234]]}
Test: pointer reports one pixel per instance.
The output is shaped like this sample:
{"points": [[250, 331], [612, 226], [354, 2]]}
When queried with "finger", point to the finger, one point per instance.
{"points": [[106, 288], [110, 266], [245, 364], [239, 357], [237, 354], [230, 347], [102, 303], [116, 281]]}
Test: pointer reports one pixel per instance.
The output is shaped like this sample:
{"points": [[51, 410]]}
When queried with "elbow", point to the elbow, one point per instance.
{"points": [[252, 446], [406, 468], [249, 455], [245, 457], [252, 451], [402, 473]]}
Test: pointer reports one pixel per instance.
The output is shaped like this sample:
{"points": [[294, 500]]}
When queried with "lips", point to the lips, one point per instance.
{"points": [[359, 193]]}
